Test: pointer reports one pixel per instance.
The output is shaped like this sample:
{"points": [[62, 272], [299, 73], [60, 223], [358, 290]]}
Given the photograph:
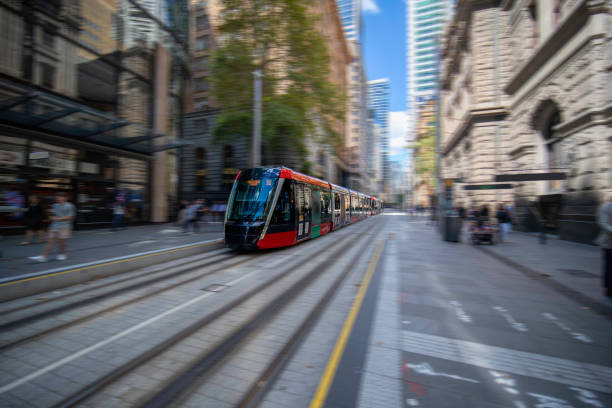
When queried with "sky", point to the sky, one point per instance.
{"points": [[384, 48]]}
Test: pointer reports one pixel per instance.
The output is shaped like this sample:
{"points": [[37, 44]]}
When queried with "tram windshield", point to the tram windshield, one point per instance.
{"points": [[252, 196]]}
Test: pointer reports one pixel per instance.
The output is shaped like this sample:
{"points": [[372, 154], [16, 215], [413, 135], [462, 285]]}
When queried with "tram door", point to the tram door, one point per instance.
{"points": [[303, 210], [316, 214]]}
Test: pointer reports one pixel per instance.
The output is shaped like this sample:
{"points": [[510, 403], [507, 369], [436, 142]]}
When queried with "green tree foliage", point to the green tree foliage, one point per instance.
{"points": [[279, 38], [425, 156]]}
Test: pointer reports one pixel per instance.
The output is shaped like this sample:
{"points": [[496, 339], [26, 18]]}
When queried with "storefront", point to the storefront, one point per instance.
{"points": [[95, 160], [93, 179]]}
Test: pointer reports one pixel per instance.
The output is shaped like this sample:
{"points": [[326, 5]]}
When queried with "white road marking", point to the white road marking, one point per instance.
{"points": [[511, 320], [411, 402], [584, 375], [464, 317], [111, 339], [544, 401], [578, 336], [587, 397], [425, 368]]}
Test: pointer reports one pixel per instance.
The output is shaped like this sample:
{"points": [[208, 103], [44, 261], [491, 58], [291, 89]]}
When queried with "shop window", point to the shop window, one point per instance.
{"points": [[200, 165]]}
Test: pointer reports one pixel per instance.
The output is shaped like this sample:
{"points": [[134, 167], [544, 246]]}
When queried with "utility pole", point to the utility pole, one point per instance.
{"points": [[256, 142]]}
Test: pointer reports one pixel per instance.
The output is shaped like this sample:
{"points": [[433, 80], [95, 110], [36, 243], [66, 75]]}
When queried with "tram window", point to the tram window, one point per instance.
{"points": [[325, 199], [336, 201], [282, 212]]}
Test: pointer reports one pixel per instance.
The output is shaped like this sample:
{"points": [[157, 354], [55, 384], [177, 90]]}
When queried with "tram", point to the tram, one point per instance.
{"points": [[278, 207]]}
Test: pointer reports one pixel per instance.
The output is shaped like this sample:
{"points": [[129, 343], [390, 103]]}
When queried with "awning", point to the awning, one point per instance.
{"points": [[42, 111]]}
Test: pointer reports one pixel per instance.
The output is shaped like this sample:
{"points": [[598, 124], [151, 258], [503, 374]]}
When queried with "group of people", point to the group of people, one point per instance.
{"points": [[480, 217], [60, 225], [59, 221]]}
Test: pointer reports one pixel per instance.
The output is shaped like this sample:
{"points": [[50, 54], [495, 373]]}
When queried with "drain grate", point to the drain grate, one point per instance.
{"points": [[215, 287], [579, 273]]}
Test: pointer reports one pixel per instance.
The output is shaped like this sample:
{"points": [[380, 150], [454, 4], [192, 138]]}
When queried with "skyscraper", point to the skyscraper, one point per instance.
{"points": [[378, 102], [425, 24], [350, 16]]}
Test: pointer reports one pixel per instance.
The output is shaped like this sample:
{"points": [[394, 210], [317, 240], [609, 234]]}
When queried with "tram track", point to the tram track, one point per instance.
{"points": [[221, 346], [112, 280], [173, 393], [84, 302]]}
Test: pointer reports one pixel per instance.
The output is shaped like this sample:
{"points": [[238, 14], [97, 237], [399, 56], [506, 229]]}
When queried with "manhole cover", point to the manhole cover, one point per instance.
{"points": [[579, 273], [215, 287]]}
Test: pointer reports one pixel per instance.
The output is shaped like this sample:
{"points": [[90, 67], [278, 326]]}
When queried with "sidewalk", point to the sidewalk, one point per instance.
{"points": [[570, 267], [94, 245]]}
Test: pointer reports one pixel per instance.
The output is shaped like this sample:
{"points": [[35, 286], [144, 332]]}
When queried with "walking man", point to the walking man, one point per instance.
{"points": [[62, 214]]}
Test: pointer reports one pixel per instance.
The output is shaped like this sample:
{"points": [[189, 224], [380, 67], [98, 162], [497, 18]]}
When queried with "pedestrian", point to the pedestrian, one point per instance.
{"points": [[182, 208], [118, 214], [461, 211], [191, 217], [604, 219], [503, 221], [34, 218], [62, 214]]}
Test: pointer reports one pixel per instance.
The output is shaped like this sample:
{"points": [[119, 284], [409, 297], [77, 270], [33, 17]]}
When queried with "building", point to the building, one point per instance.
{"points": [[425, 24], [357, 136], [378, 102], [87, 114], [350, 17], [525, 99]]}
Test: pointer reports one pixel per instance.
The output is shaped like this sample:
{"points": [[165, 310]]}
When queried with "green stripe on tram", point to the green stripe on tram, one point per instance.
{"points": [[315, 231]]}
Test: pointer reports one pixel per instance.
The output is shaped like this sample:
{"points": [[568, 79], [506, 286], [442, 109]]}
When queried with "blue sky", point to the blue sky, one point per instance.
{"points": [[384, 50]]}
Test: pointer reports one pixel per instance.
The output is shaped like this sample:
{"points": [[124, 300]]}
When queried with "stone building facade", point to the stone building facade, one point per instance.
{"points": [[536, 73]]}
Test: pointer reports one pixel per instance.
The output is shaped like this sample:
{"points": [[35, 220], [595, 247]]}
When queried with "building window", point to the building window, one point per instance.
{"points": [[202, 43], [48, 37], [229, 172], [201, 63], [201, 103], [202, 23], [201, 84], [201, 126], [200, 166], [47, 75]]}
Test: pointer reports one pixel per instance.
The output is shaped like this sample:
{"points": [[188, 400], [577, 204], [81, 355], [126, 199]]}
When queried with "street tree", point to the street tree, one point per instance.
{"points": [[425, 157], [278, 38]]}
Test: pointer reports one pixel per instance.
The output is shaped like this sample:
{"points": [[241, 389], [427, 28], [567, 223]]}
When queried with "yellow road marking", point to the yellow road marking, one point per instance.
{"points": [[332, 365], [104, 264]]}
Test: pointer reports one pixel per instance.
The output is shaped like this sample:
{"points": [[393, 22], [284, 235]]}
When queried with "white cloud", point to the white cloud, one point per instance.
{"points": [[369, 6], [398, 122]]}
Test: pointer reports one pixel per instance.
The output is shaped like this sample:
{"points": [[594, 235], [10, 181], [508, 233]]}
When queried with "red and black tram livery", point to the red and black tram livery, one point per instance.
{"points": [[277, 207]]}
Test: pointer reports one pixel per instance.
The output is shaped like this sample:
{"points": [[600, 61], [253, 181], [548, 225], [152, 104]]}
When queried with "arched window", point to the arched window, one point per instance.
{"points": [[549, 159], [200, 169]]}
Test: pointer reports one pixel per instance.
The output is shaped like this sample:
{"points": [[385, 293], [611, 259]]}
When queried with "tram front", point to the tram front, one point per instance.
{"points": [[248, 207]]}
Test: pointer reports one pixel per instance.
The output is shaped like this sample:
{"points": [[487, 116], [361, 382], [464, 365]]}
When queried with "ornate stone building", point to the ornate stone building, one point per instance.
{"points": [[525, 91]]}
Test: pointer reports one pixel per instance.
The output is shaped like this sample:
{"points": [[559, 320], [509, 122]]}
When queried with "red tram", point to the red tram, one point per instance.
{"points": [[277, 207]]}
